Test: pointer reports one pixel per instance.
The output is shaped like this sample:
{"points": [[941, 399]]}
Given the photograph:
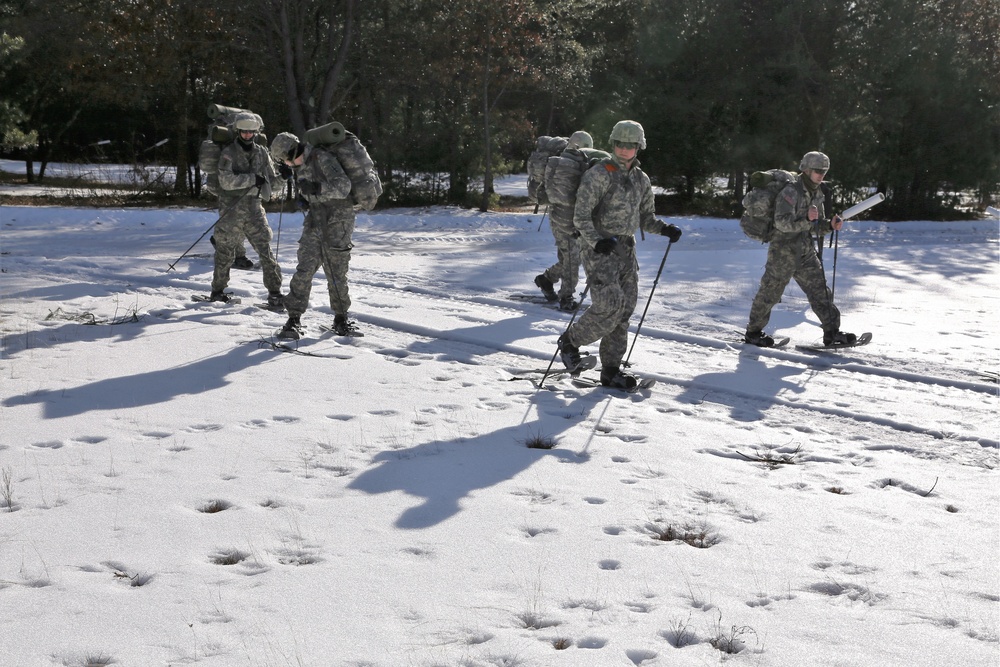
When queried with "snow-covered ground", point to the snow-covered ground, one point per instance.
{"points": [[176, 491]]}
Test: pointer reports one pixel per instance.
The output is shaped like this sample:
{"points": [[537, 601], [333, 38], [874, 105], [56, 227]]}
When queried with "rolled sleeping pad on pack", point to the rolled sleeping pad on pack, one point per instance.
{"points": [[326, 135], [217, 111], [876, 198]]}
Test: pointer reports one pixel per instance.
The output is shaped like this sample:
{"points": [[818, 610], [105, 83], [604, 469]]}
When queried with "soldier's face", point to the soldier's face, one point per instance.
{"points": [[625, 155], [816, 176]]}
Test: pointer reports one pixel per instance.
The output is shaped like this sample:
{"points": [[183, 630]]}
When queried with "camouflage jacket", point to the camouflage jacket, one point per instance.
{"points": [[791, 210], [321, 166], [614, 202], [239, 167]]}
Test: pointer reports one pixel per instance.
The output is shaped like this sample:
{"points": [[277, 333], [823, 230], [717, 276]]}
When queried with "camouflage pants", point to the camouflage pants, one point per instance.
{"points": [[566, 270], [793, 258], [326, 242], [614, 290], [245, 219]]}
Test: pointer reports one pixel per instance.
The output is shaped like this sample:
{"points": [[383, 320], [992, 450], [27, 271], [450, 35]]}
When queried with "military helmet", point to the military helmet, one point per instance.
{"points": [[816, 161], [284, 146], [628, 131], [581, 139], [247, 122]]}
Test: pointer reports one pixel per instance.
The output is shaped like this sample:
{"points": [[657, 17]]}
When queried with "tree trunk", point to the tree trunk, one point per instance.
{"points": [[335, 60], [181, 148], [484, 204]]}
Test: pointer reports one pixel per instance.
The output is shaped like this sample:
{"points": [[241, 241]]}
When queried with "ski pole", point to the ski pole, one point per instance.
{"points": [[542, 221], [571, 320], [836, 243], [281, 210], [876, 198], [648, 301], [224, 214]]}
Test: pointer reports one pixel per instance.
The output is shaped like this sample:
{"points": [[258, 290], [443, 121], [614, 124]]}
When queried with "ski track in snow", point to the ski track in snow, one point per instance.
{"points": [[899, 392], [910, 387], [467, 331]]}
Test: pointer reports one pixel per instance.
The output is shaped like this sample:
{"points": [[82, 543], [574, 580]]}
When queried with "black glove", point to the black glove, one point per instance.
{"points": [[606, 246], [308, 187], [672, 232], [259, 180], [301, 203], [285, 172]]}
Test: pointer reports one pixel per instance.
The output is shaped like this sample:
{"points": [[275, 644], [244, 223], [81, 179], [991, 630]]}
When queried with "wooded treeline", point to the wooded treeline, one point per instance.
{"points": [[904, 95]]}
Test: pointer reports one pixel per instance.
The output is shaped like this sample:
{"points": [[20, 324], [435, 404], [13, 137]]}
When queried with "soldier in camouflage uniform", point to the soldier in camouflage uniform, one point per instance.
{"points": [[566, 270], [615, 199], [798, 215], [326, 231], [246, 175]]}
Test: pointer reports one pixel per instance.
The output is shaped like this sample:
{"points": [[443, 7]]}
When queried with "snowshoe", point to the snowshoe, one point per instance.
{"points": [[292, 329], [616, 378], [596, 383], [570, 355], [547, 287], [221, 297], [345, 327], [758, 338], [839, 339], [857, 341], [276, 301], [568, 304]]}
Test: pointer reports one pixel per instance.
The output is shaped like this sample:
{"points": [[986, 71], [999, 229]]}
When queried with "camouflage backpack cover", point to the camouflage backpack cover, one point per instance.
{"points": [[564, 171], [366, 187], [757, 221], [545, 147]]}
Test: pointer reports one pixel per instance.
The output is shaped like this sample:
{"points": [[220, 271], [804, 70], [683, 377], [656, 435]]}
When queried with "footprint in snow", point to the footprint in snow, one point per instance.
{"points": [[204, 428], [640, 655], [89, 439], [49, 444]]}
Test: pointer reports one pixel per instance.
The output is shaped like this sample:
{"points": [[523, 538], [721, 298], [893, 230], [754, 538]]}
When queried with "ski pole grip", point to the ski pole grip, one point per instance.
{"points": [[877, 198]]}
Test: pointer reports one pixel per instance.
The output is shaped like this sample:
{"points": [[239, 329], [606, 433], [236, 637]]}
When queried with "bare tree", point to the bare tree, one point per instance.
{"points": [[311, 41]]}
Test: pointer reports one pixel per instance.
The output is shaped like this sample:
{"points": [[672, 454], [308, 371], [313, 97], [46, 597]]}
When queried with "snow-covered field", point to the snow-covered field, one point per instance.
{"points": [[176, 491]]}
